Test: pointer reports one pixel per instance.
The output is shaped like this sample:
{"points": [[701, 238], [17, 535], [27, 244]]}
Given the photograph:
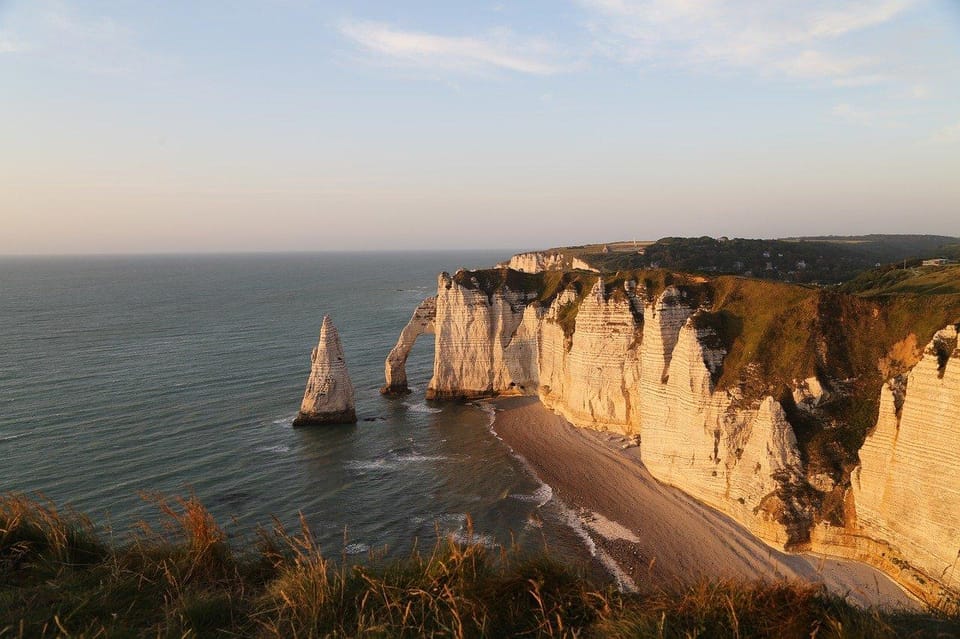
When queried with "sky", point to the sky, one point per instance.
{"points": [[290, 125]]}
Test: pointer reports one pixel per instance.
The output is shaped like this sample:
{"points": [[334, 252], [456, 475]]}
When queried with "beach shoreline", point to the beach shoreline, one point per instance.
{"points": [[650, 535]]}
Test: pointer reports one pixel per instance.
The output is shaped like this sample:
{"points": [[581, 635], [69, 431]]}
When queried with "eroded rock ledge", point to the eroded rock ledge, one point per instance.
{"points": [[754, 397]]}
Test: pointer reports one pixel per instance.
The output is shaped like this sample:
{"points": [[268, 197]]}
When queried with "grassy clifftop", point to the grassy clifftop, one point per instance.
{"points": [[776, 334], [826, 260], [775, 331], [59, 579], [913, 280]]}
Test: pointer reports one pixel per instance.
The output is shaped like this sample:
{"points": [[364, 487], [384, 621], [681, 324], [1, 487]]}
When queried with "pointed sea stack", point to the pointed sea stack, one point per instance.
{"points": [[328, 398]]}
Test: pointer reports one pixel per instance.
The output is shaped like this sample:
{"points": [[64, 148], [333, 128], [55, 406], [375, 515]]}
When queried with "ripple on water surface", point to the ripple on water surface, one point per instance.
{"points": [[178, 374]]}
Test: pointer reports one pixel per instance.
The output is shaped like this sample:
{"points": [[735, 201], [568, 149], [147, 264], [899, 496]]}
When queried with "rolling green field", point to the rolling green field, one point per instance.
{"points": [[820, 260]]}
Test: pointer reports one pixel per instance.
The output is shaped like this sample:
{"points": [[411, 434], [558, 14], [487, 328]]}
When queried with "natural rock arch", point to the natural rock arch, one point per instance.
{"points": [[395, 371]]}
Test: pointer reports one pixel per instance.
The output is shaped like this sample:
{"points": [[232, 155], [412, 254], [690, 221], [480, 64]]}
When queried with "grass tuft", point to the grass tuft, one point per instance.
{"points": [[33, 531]]}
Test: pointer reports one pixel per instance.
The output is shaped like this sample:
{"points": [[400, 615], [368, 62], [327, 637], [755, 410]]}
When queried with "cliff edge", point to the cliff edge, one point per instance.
{"points": [[809, 415]]}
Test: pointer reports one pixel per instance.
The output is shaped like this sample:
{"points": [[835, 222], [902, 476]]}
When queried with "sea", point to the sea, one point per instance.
{"points": [[126, 377]]}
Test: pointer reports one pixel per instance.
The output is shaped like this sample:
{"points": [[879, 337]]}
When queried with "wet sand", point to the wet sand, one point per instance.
{"points": [[654, 535]]}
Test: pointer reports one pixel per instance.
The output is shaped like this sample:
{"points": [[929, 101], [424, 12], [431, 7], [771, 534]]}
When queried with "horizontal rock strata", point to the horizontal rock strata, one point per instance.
{"points": [[907, 488], [539, 261], [643, 364], [632, 367]]}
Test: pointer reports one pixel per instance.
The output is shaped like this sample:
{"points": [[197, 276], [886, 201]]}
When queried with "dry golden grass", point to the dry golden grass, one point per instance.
{"points": [[183, 580]]}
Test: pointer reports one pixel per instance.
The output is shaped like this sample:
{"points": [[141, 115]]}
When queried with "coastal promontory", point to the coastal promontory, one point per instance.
{"points": [[820, 417]]}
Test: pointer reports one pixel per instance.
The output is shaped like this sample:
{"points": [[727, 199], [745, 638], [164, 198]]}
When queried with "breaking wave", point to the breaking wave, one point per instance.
{"points": [[421, 407]]}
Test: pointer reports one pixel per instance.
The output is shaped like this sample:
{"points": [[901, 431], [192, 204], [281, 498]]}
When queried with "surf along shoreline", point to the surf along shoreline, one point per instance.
{"points": [[650, 535]]}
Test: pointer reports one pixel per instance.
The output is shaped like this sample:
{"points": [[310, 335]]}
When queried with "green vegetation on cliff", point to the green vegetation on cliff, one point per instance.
{"points": [[775, 335], [59, 579], [913, 279], [824, 260]]}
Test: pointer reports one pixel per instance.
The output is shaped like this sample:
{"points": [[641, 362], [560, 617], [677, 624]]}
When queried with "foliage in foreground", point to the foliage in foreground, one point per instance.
{"points": [[59, 579]]}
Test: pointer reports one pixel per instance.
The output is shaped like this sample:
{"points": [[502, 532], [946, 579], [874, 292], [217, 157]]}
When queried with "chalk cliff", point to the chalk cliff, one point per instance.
{"points": [[906, 489], [475, 332], [751, 397], [540, 261], [328, 398], [422, 323]]}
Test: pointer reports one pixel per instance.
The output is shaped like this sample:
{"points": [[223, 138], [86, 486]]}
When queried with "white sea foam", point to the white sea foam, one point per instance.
{"points": [[624, 582], [11, 437], [421, 407], [284, 420], [392, 462], [416, 458], [356, 548], [491, 412], [456, 528], [457, 519], [369, 464], [542, 495], [572, 519], [576, 524], [281, 448], [465, 537], [607, 528]]}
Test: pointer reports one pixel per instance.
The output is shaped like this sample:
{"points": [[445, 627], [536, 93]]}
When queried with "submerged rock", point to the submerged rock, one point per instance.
{"points": [[328, 398]]}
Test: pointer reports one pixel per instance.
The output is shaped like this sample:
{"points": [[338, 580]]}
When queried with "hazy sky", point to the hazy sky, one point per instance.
{"points": [[236, 125]]}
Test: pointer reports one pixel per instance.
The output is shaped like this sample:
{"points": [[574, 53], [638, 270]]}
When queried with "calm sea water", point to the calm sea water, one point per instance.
{"points": [[169, 374]]}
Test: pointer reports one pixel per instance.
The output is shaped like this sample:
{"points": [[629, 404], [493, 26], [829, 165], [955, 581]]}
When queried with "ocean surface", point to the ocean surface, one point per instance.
{"points": [[121, 376]]}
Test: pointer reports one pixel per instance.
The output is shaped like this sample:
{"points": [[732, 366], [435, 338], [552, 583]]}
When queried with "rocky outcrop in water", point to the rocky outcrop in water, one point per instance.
{"points": [[328, 398], [647, 361]]}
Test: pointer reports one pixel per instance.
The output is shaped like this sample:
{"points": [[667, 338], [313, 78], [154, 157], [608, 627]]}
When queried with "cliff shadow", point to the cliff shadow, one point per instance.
{"points": [[719, 330]]}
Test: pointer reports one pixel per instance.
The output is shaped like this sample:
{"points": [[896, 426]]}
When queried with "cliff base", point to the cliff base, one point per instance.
{"points": [[348, 416]]}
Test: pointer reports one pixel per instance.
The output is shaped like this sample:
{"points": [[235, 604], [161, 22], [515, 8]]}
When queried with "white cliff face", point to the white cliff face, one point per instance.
{"points": [[648, 369], [661, 332], [586, 381], [552, 350], [906, 490], [475, 350], [422, 323], [520, 355], [629, 368], [534, 262], [809, 393], [538, 261], [734, 459], [328, 398]]}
